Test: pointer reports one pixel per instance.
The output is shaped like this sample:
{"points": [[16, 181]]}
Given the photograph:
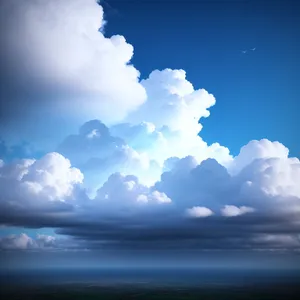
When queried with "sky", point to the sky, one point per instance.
{"points": [[207, 38], [149, 131]]}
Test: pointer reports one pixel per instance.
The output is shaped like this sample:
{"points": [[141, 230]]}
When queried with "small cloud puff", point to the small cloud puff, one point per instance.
{"points": [[199, 212], [233, 211], [154, 196], [126, 191]]}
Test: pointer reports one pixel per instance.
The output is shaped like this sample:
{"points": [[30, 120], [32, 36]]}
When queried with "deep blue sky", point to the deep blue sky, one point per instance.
{"points": [[257, 93]]}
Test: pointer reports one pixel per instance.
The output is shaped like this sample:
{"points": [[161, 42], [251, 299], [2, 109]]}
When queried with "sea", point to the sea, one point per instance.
{"points": [[150, 277]]}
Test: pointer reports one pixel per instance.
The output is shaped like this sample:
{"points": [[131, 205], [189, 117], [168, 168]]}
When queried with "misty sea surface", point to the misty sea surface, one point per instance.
{"points": [[148, 277]]}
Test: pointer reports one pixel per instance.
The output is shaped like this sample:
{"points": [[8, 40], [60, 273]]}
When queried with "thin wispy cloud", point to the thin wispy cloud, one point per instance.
{"points": [[247, 51]]}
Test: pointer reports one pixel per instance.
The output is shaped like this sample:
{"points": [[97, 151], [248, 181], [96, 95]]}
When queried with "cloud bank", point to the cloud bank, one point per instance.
{"points": [[197, 206]]}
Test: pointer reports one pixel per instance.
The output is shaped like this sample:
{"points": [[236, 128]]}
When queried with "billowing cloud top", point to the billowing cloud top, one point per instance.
{"points": [[136, 174], [57, 50]]}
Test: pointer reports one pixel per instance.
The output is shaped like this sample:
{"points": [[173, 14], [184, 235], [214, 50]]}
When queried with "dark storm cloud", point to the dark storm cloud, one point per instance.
{"points": [[215, 233]]}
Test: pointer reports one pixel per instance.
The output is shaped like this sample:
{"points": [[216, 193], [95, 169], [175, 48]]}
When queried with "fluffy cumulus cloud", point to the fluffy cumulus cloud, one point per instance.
{"points": [[93, 140], [233, 211], [20, 242], [55, 49], [98, 154], [40, 243], [31, 185], [170, 116], [161, 143], [24, 242], [266, 183], [156, 183], [154, 196], [199, 212], [121, 191], [193, 205], [173, 102], [255, 150]]}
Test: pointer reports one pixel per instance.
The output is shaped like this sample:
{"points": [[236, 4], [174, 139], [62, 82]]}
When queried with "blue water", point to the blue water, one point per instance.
{"points": [[150, 277]]}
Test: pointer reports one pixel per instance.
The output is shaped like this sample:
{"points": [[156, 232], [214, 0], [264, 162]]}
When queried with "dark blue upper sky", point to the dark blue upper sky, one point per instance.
{"points": [[257, 93]]}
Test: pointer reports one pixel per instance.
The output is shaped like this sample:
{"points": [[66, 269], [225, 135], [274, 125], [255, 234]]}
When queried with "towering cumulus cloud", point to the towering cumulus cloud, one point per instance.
{"points": [[136, 174]]}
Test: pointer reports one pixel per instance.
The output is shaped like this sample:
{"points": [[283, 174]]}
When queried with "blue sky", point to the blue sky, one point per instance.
{"points": [[101, 149], [257, 93]]}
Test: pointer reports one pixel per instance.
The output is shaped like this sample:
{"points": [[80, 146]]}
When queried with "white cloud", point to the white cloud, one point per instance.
{"points": [[57, 45], [173, 108], [189, 184], [265, 184], [16, 242], [257, 150], [233, 211], [275, 180], [126, 191], [154, 196], [40, 242], [35, 182], [173, 102], [162, 143], [98, 154], [278, 240], [143, 136], [199, 212], [24, 242]]}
